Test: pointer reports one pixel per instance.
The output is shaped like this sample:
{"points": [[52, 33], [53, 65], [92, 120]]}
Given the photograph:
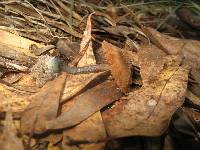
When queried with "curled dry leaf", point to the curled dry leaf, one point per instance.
{"points": [[147, 111], [85, 105], [86, 45], [120, 70], [90, 130], [151, 60], [9, 139], [43, 107]]}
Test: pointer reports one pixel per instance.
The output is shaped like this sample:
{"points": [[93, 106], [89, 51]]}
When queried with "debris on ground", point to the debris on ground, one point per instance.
{"points": [[119, 75]]}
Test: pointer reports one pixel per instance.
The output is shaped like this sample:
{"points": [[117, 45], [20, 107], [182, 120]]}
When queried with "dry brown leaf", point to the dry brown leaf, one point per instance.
{"points": [[120, 70], [151, 60], [86, 43], [90, 130], [43, 107], [147, 111], [85, 105], [76, 84], [9, 139]]}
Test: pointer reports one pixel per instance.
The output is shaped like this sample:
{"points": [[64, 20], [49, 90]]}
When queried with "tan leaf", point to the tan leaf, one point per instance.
{"points": [[43, 106], [147, 111], [90, 130], [120, 70], [86, 104], [86, 43]]}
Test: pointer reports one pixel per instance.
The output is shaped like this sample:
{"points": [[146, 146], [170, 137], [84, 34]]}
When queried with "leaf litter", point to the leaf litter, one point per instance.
{"points": [[63, 95]]}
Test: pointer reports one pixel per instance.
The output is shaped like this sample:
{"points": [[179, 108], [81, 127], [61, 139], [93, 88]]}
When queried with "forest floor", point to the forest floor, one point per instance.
{"points": [[99, 75]]}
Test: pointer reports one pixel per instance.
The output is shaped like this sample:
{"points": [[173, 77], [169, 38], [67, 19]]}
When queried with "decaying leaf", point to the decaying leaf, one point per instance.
{"points": [[85, 105], [9, 139], [86, 45], [90, 130], [76, 84], [147, 111], [120, 70], [43, 106]]}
